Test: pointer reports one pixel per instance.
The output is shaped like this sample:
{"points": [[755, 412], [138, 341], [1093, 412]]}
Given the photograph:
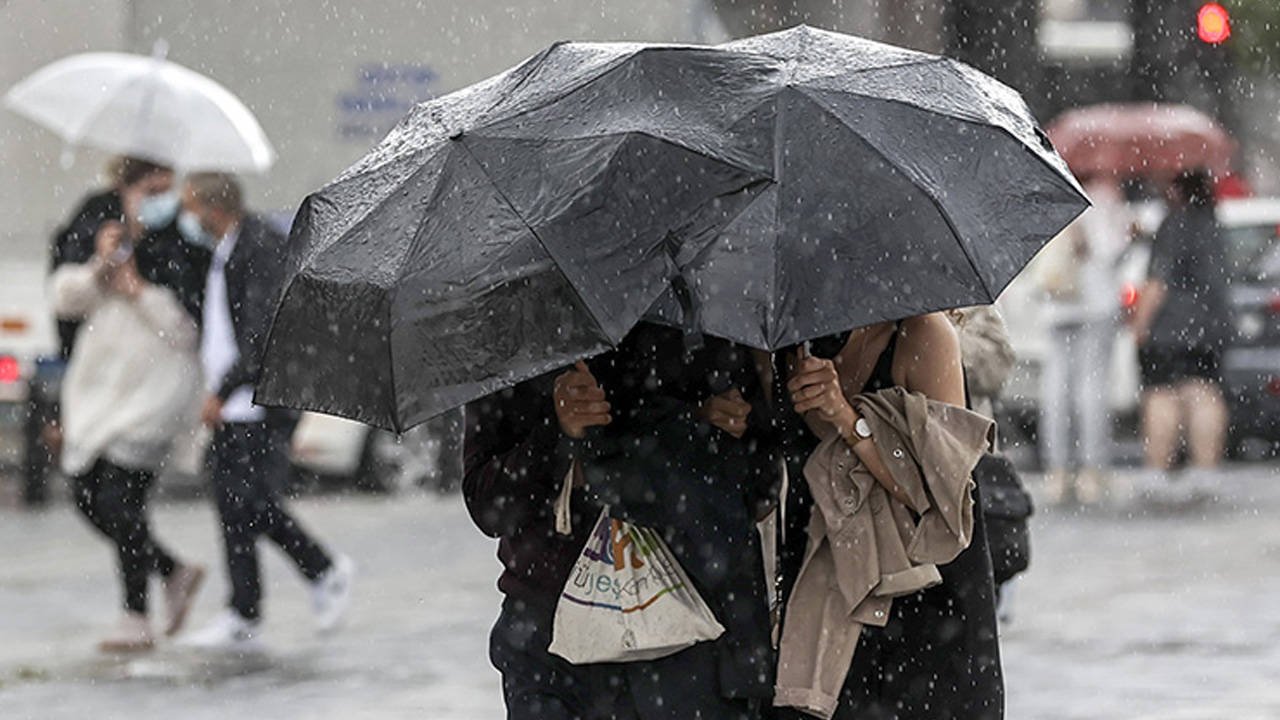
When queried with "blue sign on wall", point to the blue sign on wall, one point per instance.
{"points": [[383, 94]]}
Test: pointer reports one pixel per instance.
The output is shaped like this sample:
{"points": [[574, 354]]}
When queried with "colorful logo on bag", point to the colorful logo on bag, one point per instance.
{"points": [[613, 572], [610, 543]]}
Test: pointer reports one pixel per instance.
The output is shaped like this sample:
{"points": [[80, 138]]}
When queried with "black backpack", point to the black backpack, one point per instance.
{"points": [[1006, 505]]}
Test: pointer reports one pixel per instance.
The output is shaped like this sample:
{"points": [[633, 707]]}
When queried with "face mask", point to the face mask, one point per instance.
{"points": [[191, 229], [156, 211]]}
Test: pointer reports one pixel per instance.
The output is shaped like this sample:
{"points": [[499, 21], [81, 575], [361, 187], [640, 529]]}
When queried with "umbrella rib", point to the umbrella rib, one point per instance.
{"points": [[376, 206], [550, 255], [937, 204], [391, 364], [931, 111], [951, 65], [101, 107], [758, 188], [540, 61], [771, 337]]}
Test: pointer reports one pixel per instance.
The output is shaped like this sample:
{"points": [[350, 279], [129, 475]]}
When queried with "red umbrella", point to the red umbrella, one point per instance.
{"points": [[1140, 140]]}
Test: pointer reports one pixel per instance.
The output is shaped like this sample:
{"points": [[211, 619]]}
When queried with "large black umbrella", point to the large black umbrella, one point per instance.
{"points": [[902, 183], [791, 185], [503, 230]]}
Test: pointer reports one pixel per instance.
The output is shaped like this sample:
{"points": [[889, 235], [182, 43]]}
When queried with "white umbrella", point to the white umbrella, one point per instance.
{"points": [[145, 107]]}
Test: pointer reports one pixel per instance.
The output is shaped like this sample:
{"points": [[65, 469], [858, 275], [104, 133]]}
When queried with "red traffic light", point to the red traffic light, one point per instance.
{"points": [[1213, 23]]}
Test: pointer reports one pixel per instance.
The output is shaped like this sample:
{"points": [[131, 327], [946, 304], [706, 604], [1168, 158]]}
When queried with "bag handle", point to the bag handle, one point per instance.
{"points": [[564, 519]]}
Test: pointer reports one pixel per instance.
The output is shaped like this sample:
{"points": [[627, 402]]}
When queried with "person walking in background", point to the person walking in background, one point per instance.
{"points": [[247, 458], [1181, 323], [74, 242], [1078, 275], [130, 387], [159, 255]]}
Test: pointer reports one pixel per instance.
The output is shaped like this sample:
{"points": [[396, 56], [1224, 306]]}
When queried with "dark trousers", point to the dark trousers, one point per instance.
{"points": [[248, 463], [540, 686], [114, 500]]}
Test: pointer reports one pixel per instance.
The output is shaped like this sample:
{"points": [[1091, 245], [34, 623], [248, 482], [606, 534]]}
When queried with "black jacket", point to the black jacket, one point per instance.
{"points": [[254, 274], [699, 488], [655, 465], [74, 243], [163, 257]]}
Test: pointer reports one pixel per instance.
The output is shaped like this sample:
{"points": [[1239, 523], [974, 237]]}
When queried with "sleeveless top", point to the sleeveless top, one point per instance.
{"points": [[882, 375]]}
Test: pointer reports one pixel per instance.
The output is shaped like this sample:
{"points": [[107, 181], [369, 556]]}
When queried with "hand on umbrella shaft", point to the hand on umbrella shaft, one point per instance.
{"points": [[580, 402], [815, 387]]}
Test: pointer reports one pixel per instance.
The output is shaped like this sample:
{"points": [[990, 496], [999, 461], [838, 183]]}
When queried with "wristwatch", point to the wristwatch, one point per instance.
{"points": [[862, 429]]}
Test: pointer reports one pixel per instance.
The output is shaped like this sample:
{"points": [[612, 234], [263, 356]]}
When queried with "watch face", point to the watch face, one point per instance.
{"points": [[862, 428]]}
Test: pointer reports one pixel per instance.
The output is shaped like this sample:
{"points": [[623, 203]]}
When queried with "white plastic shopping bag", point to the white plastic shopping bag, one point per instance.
{"points": [[628, 600]]}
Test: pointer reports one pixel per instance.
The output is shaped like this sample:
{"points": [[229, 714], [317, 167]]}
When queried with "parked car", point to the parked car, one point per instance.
{"points": [[1251, 364], [29, 379], [329, 452]]}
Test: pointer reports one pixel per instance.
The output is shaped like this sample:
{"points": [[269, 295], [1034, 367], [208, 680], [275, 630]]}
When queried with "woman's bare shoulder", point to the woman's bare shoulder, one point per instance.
{"points": [[932, 332], [932, 350]]}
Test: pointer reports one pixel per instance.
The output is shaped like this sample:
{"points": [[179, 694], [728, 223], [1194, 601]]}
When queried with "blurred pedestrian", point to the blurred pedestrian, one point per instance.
{"points": [[159, 254], [1182, 324], [142, 197], [74, 242], [129, 391], [1079, 275], [248, 459]]}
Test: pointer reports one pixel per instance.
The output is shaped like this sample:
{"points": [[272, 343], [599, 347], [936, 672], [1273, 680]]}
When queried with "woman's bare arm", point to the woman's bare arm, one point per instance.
{"points": [[926, 360], [929, 354]]}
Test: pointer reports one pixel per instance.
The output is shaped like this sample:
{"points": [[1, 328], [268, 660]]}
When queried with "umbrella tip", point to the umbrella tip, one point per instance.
{"points": [[160, 50]]}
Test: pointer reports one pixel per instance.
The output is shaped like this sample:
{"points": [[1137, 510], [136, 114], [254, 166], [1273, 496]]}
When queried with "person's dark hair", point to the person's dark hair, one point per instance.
{"points": [[1195, 187], [217, 190], [126, 170]]}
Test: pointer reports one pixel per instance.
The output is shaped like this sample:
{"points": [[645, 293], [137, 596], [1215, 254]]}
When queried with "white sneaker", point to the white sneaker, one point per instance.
{"points": [[229, 630], [331, 594]]}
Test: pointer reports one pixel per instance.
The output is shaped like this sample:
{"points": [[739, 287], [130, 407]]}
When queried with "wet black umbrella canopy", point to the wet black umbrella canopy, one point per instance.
{"points": [[768, 191]]}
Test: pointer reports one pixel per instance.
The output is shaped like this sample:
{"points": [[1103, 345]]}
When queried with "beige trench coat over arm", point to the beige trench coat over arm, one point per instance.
{"points": [[865, 547]]}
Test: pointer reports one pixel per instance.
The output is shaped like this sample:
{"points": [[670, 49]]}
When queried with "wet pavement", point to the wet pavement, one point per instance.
{"points": [[1126, 614]]}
